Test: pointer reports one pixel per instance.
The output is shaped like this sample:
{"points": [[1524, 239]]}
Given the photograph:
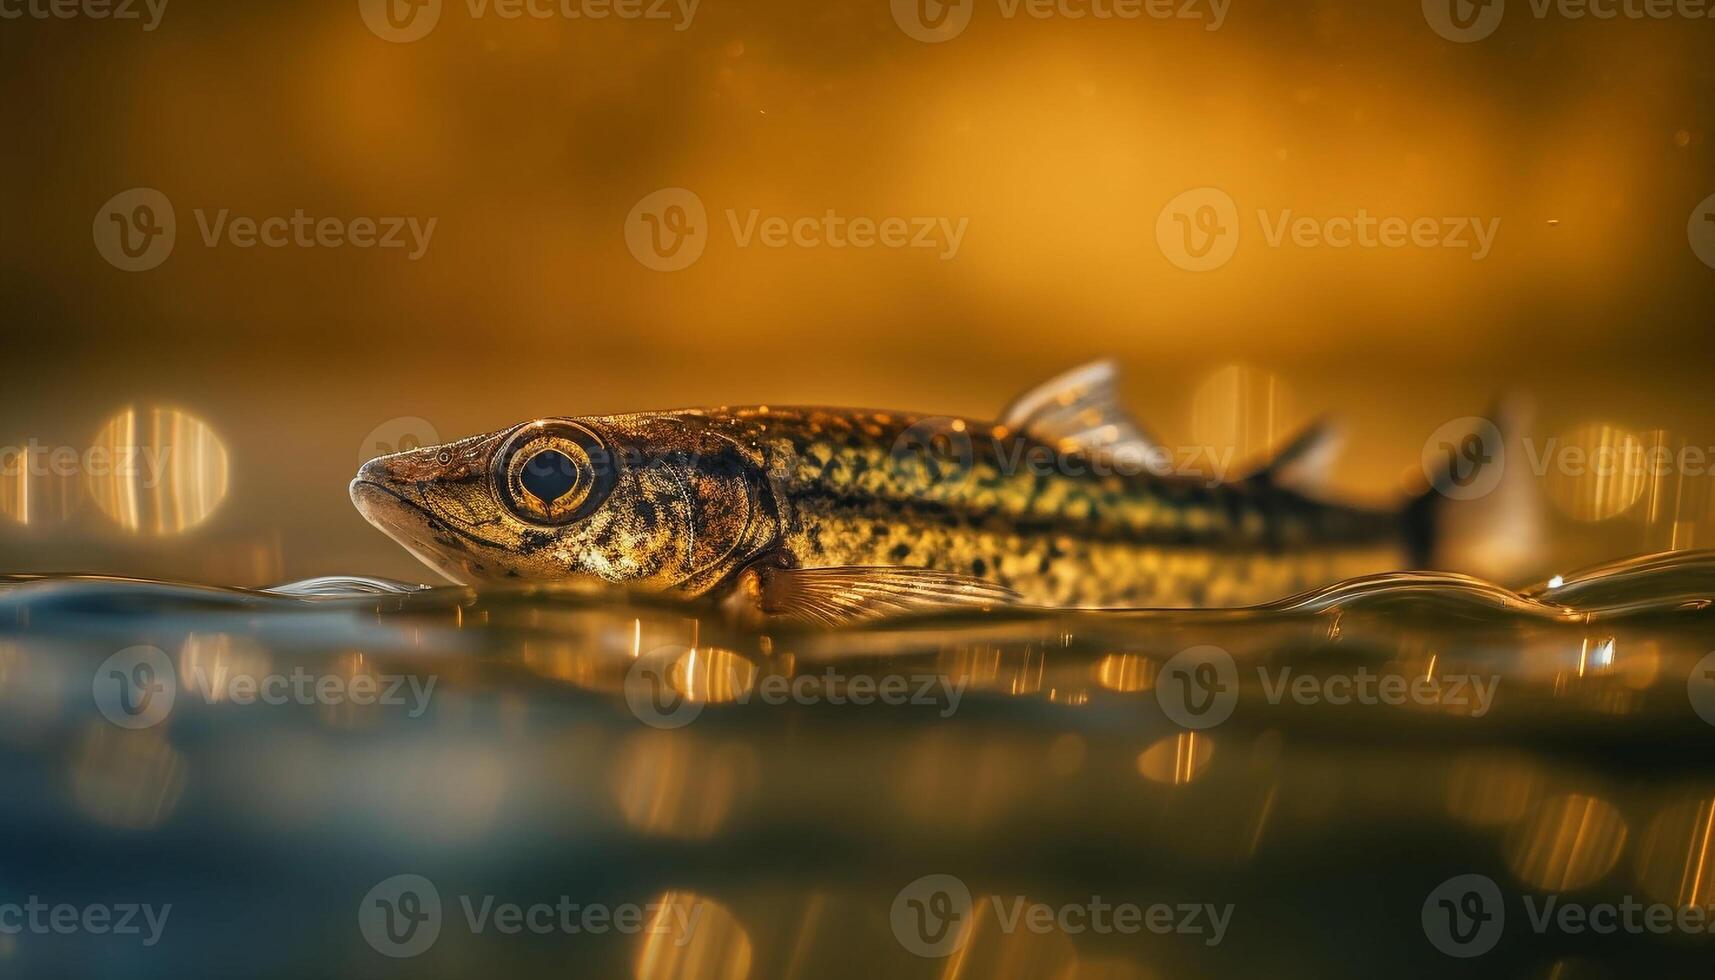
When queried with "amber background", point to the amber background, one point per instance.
{"points": [[530, 142]]}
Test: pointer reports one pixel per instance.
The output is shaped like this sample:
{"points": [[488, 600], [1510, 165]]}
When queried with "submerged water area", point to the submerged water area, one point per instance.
{"points": [[1413, 773]]}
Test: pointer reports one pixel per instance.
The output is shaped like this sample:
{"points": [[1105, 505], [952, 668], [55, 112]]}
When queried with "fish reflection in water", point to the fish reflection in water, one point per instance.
{"points": [[793, 782]]}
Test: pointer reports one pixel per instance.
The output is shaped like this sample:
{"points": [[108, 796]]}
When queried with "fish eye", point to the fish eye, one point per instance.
{"points": [[552, 472], [549, 475]]}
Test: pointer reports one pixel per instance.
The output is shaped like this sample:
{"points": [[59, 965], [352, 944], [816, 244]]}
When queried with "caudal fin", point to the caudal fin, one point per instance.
{"points": [[1482, 512]]}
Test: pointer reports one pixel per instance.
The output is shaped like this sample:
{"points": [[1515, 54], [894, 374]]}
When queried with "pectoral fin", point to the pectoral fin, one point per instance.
{"points": [[845, 594], [1080, 412]]}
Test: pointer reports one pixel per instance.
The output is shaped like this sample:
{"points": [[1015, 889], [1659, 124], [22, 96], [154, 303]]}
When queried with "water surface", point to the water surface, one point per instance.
{"points": [[771, 801]]}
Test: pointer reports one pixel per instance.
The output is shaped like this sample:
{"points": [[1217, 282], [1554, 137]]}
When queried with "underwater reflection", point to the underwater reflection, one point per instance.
{"points": [[1492, 789], [1675, 856], [126, 779], [612, 748], [678, 785], [1567, 842], [715, 948], [1177, 760], [1126, 673]]}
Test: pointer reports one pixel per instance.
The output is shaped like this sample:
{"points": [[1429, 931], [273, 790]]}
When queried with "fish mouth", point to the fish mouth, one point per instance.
{"points": [[404, 520], [409, 524], [380, 504], [414, 524]]}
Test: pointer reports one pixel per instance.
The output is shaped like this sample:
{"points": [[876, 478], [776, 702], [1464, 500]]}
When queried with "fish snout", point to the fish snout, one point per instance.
{"points": [[381, 486], [415, 486]]}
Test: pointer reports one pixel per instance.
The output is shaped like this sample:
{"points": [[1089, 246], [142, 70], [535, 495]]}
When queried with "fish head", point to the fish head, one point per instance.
{"points": [[663, 501]]}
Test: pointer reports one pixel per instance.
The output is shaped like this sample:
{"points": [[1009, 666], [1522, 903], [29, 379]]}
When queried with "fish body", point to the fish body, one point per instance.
{"points": [[836, 514], [859, 488]]}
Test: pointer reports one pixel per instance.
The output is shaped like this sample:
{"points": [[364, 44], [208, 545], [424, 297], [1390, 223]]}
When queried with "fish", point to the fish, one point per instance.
{"points": [[835, 516]]}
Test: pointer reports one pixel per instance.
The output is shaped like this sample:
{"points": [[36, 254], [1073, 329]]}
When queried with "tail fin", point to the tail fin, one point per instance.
{"points": [[1482, 513]]}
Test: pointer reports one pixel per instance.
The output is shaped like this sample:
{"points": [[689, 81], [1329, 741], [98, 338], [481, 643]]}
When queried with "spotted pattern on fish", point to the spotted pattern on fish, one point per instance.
{"points": [[698, 497]]}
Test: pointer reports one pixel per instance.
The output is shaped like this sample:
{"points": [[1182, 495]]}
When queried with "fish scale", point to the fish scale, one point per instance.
{"points": [[853, 496]]}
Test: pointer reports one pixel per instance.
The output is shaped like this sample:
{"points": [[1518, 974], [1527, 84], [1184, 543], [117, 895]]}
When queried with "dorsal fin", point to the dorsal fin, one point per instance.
{"points": [[1306, 461], [1079, 411]]}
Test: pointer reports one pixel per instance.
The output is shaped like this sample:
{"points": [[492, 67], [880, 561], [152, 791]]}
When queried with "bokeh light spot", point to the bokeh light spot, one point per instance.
{"points": [[157, 471]]}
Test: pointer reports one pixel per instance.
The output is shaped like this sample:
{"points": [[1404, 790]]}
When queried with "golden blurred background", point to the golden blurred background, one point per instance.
{"points": [[1055, 143]]}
